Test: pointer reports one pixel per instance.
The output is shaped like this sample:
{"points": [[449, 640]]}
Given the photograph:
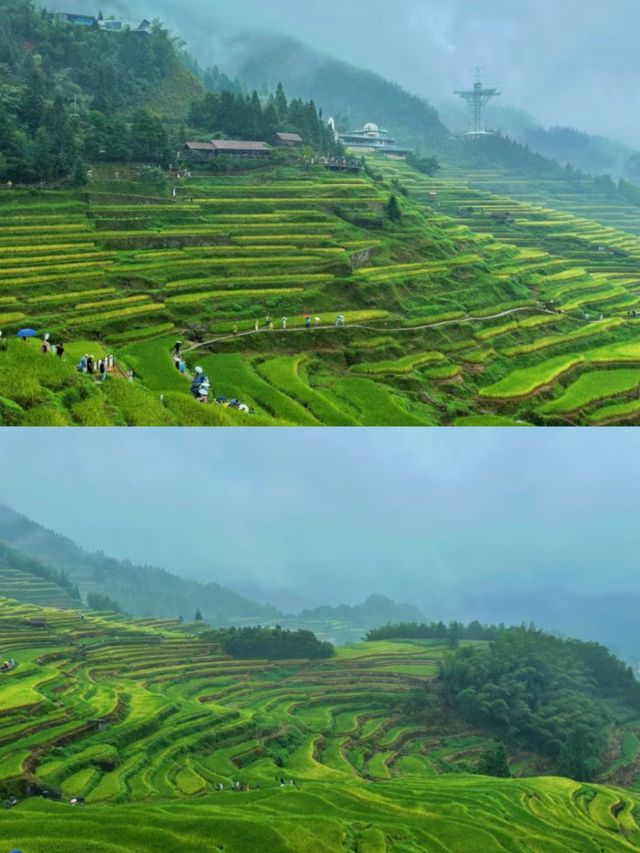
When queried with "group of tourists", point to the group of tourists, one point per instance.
{"points": [[201, 386], [91, 365], [308, 322], [47, 347]]}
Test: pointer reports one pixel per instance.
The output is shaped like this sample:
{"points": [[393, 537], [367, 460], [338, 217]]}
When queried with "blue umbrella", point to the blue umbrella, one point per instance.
{"points": [[27, 333]]}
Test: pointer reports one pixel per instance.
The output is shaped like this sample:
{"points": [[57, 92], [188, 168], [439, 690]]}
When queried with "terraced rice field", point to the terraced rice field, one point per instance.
{"points": [[449, 313], [146, 721]]}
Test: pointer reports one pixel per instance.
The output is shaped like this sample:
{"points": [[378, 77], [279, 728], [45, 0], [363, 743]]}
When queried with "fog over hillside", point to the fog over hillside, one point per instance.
{"points": [[562, 62], [454, 521]]}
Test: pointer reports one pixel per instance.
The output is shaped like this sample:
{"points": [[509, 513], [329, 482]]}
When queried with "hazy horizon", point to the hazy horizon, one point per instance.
{"points": [[556, 61], [299, 518]]}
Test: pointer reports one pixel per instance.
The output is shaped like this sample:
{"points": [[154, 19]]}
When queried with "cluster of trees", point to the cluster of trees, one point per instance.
{"points": [[103, 603], [63, 88], [424, 163], [14, 559], [541, 693], [454, 631], [271, 643], [235, 114]]}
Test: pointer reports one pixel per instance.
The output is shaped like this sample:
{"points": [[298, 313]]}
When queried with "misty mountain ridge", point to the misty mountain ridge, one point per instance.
{"points": [[140, 590], [55, 571], [352, 95]]}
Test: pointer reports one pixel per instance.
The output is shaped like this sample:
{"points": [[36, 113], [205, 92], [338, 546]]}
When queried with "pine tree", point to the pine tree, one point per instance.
{"points": [[198, 616], [282, 108], [392, 208]]}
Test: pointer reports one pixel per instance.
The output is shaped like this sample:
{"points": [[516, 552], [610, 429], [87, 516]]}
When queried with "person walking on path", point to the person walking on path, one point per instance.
{"points": [[284, 323], [60, 350], [199, 378], [307, 322]]}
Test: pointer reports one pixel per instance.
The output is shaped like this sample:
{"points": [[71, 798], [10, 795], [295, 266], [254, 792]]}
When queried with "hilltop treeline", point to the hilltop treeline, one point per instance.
{"points": [[271, 643], [236, 114], [540, 693], [14, 559], [454, 631]]}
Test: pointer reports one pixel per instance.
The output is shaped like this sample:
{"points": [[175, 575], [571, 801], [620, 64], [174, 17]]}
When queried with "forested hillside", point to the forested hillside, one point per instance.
{"points": [[73, 96], [352, 95], [535, 692], [140, 590]]}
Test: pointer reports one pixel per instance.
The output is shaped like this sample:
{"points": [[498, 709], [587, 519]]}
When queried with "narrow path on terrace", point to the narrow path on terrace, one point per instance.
{"points": [[378, 329]]}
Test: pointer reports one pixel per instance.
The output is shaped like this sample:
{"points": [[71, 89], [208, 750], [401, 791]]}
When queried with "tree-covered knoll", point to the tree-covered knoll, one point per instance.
{"points": [[270, 643], [541, 693]]}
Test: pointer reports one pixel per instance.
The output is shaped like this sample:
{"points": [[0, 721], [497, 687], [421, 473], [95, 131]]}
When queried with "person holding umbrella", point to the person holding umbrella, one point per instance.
{"points": [[25, 334]]}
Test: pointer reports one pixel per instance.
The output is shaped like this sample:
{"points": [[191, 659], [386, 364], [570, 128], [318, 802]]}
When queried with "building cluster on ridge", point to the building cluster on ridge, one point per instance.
{"points": [[110, 24]]}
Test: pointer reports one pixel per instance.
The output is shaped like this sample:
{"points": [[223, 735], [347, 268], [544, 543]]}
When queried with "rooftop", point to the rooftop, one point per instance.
{"points": [[238, 145]]}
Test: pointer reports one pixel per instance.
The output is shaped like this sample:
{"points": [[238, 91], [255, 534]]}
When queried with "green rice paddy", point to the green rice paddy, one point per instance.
{"points": [[146, 720], [503, 288]]}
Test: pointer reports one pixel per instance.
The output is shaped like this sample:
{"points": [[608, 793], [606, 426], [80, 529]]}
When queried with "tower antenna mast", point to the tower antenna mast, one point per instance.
{"points": [[477, 99]]}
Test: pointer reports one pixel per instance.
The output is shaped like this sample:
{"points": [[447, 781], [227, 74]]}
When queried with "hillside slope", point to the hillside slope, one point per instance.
{"points": [[351, 94], [140, 590], [149, 719], [30, 580], [470, 305]]}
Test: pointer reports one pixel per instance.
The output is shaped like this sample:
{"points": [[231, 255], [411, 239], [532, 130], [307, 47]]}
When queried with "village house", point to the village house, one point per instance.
{"points": [[288, 140], [199, 151]]}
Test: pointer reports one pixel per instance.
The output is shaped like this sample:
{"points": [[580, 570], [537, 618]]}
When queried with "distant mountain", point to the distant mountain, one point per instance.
{"points": [[140, 590], [594, 155], [346, 623], [352, 95]]}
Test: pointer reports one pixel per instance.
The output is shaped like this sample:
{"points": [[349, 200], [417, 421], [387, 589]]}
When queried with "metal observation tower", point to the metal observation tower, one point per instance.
{"points": [[478, 98]]}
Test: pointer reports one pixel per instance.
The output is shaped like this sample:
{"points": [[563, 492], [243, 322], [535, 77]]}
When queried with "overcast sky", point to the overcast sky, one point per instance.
{"points": [[568, 62], [303, 517]]}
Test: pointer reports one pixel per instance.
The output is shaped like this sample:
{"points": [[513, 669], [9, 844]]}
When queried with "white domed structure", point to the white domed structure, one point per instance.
{"points": [[372, 138]]}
